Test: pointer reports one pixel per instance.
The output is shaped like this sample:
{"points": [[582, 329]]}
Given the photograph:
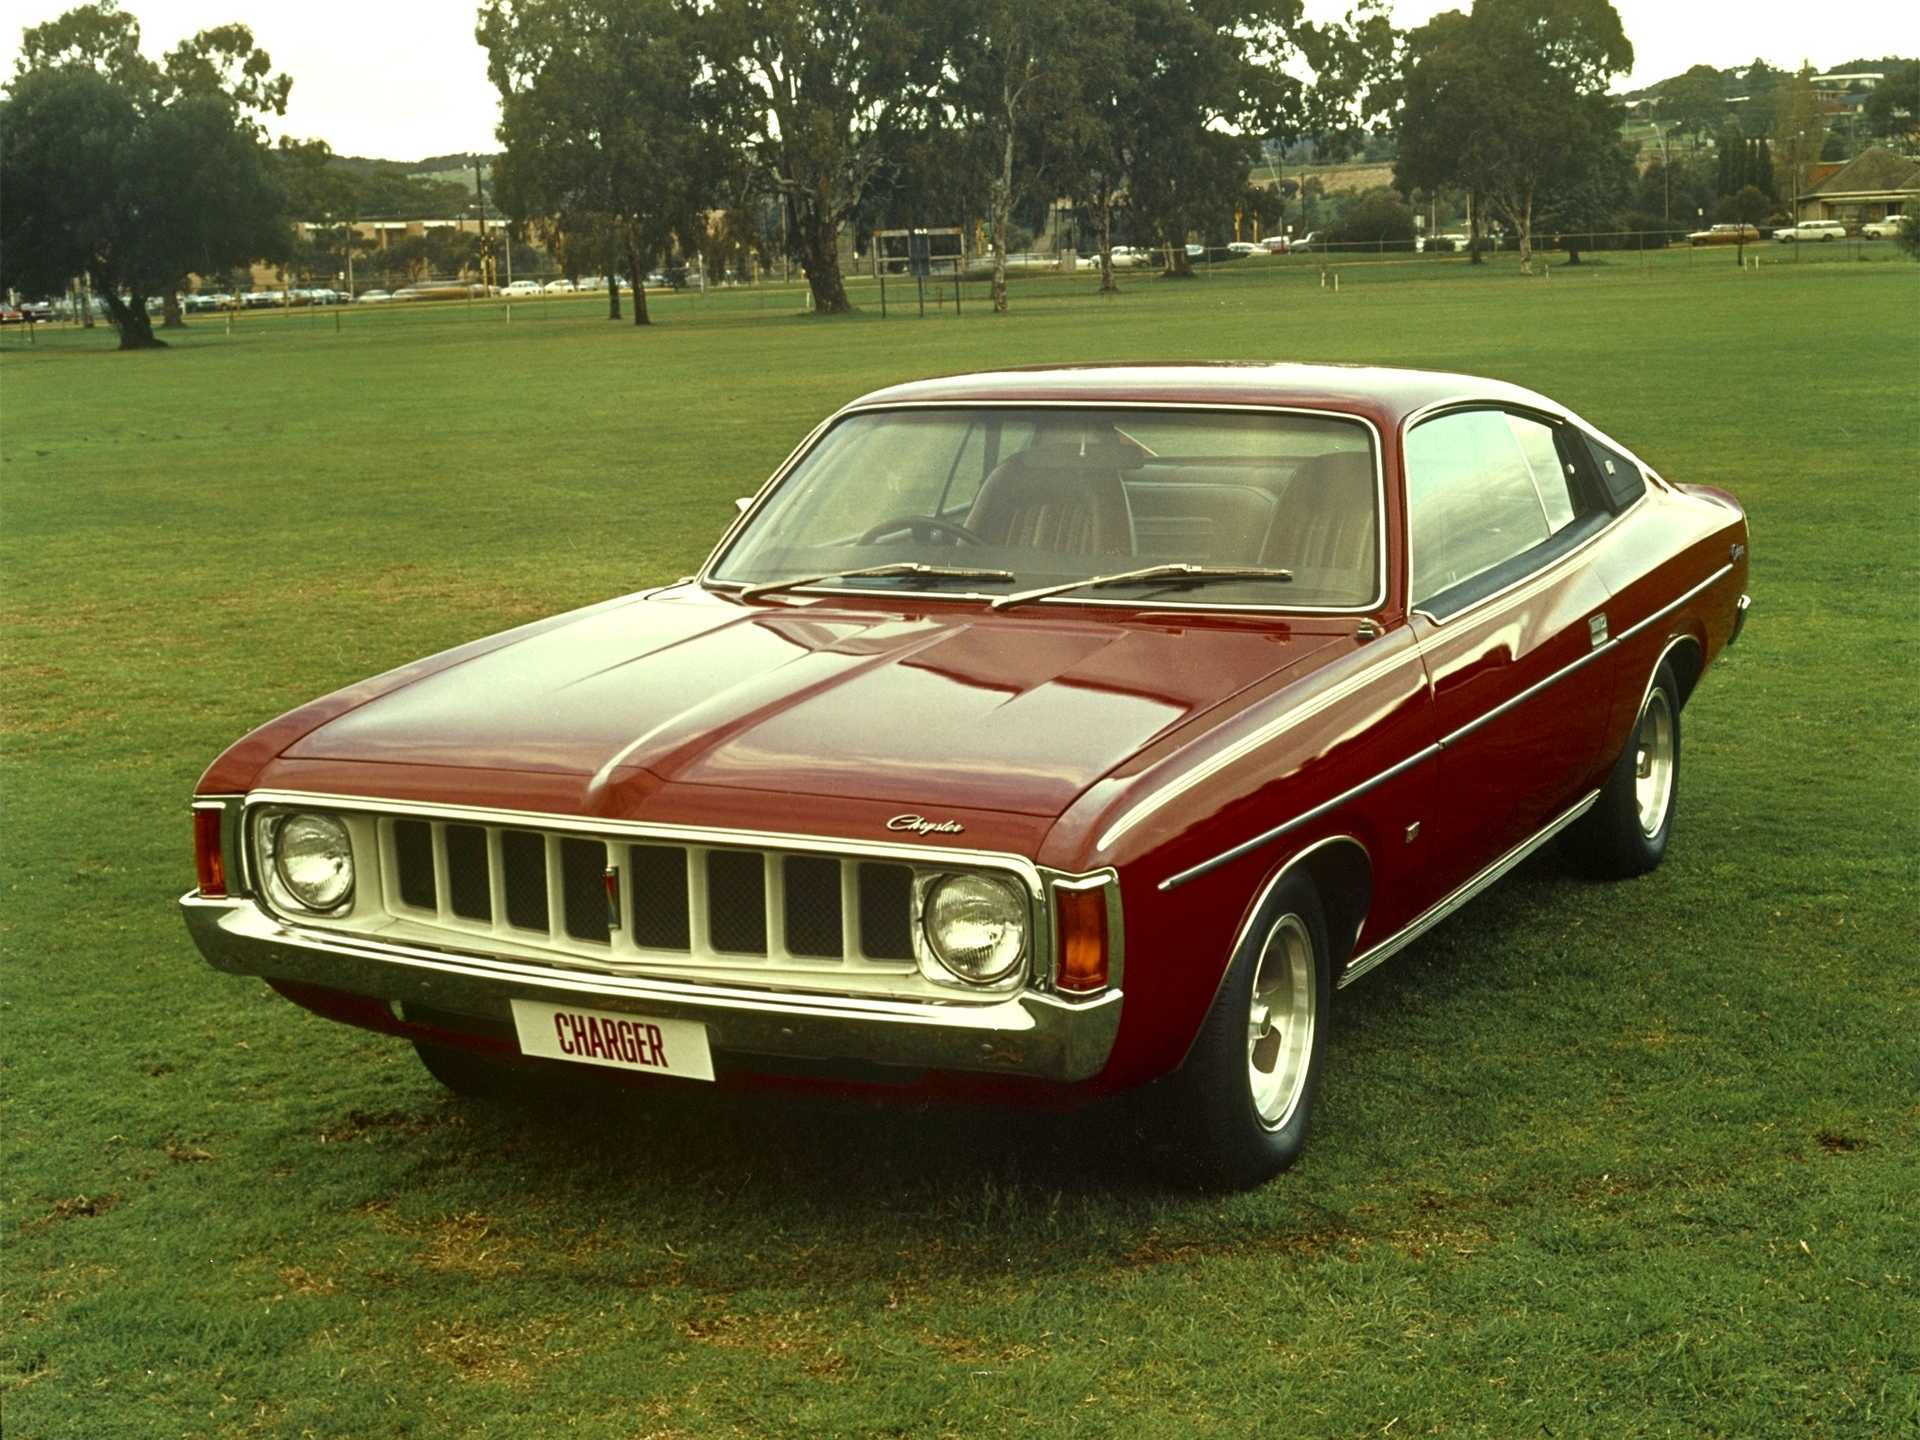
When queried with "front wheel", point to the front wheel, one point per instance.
{"points": [[466, 1073], [1236, 1113], [1627, 830]]}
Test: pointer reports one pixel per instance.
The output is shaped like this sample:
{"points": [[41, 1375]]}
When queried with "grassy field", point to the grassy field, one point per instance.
{"points": [[1609, 1161]]}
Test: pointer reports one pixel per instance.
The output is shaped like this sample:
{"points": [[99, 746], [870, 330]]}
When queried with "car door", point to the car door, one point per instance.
{"points": [[1501, 506]]}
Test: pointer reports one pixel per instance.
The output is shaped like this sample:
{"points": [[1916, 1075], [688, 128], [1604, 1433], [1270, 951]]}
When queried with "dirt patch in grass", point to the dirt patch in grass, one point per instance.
{"points": [[301, 1281], [1835, 1144], [793, 1335], [75, 1207], [512, 1354], [464, 1244]]}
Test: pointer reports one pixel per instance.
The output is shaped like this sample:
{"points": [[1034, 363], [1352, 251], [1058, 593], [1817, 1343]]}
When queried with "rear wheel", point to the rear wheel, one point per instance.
{"points": [[1236, 1113], [1626, 831]]}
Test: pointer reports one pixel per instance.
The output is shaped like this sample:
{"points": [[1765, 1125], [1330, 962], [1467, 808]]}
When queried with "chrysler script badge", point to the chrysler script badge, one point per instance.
{"points": [[920, 825]]}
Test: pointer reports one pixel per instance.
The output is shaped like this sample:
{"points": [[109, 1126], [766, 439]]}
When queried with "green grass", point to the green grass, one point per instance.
{"points": [[1592, 1160]]}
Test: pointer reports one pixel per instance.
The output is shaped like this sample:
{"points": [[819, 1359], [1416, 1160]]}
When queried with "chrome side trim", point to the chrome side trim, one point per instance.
{"points": [[1238, 751], [1395, 943], [1260, 904], [1268, 836], [706, 581]]}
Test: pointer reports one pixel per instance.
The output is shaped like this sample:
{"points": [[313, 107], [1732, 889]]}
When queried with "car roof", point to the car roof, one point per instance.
{"points": [[1382, 392]]}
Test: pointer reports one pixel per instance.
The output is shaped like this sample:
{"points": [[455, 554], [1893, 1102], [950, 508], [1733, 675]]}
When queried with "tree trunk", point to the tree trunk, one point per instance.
{"points": [[817, 240], [640, 316], [171, 318], [1107, 283], [613, 297], [1000, 200], [1179, 267], [1525, 222], [130, 318], [1473, 228]]}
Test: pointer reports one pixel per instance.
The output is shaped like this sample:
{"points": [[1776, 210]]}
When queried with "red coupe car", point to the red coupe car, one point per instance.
{"points": [[1040, 734]]}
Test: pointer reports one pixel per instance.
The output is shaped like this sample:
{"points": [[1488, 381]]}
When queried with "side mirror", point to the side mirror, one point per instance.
{"points": [[740, 505]]}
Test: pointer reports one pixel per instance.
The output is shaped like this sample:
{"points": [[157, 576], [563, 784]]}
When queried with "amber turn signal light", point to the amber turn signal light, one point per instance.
{"points": [[209, 864], [1082, 921]]}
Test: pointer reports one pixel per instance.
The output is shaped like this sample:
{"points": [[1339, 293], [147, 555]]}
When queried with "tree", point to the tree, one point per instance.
{"points": [[601, 114], [1893, 109], [1799, 130], [1014, 86], [1588, 198], [1378, 218], [1748, 206], [131, 199], [1510, 100], [221, 65], [1177, 95], [821, 90], [1693, 104]]}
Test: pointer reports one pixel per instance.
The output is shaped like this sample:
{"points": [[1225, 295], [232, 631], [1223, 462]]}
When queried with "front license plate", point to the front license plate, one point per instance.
{"points": [[622, 1042]]}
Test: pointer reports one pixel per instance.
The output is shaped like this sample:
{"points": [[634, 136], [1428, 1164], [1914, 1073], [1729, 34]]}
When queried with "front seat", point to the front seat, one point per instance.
{"points": [[1324, 526], [1065, 499]]}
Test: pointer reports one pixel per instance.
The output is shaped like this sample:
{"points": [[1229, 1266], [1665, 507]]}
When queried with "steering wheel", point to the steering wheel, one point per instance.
{"points": [[922, 528]]}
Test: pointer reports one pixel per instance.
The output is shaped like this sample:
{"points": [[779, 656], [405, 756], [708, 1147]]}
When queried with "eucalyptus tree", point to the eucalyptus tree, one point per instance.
{"points": [[1175, 97], [221, 65], [1509, 101], [822, 93], [606, 122], [1015, 95], [135, 173]]}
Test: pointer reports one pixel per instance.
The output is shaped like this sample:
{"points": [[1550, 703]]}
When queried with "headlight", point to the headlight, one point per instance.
{"points": [[313, 860], [975, 926]]}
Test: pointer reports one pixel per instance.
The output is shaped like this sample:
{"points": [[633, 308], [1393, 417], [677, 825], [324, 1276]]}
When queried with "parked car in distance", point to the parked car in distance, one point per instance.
{"points": [[1126, 257], [1812, 230], [1887, 229], [522, 287], [559, 287], [1277, 244], [1724, 235], [1043, 735], [375, 297], [11, 316], [1243, 248]]}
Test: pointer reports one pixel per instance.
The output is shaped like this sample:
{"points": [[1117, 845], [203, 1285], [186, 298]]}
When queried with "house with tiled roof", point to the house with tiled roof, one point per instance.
{"points": [[1873, 185]]}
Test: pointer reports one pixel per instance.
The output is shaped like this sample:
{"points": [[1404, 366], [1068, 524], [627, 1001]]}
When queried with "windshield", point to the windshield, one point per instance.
{"points": [[1024, 498]]}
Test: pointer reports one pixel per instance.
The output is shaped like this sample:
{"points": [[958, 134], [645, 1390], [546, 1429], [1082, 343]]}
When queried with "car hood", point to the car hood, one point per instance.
{"points": [[948, 705]]}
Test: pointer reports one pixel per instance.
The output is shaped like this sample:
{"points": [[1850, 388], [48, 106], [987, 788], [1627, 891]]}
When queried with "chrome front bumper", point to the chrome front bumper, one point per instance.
{"points": [[1030, 1034]]}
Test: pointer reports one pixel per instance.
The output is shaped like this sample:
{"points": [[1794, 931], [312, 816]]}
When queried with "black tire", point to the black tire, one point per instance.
{"points": [[1624, 835], [466, 1073], [1212, 1131]]}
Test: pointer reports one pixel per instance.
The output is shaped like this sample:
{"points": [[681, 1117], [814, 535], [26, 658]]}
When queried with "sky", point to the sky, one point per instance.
{"points": [[404, 79]]}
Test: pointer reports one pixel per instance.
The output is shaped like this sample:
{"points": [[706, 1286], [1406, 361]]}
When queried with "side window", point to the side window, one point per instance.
{"points": [[1625, 484], [1483, 487]]}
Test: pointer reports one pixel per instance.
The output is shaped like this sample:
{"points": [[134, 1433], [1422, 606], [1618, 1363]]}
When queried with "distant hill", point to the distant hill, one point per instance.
{"points": [[1741, 79], [434, 167]]}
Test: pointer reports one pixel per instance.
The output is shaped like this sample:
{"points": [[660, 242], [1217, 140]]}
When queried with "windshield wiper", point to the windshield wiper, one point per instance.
{"points": [[1175, 572], [898, 567]]}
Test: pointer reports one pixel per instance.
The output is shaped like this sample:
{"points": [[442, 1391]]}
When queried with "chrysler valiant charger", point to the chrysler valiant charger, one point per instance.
{"points": [[1037, 735]]}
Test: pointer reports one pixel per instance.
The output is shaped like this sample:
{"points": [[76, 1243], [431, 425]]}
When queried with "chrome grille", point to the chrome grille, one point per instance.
{"points": [[689, 904]]}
